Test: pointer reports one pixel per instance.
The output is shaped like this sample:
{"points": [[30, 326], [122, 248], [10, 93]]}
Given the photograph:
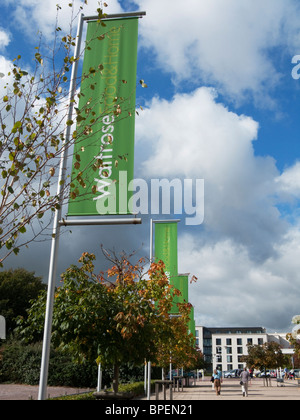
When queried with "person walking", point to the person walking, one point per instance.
{"points": [[245, 376], [217, 375]]}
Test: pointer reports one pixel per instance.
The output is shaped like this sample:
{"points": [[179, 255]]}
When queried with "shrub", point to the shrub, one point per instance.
{"points": [[20, 363]]}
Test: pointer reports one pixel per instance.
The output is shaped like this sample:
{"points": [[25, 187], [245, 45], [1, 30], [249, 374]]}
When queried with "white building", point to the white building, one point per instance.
{"points": [[224, 347]]}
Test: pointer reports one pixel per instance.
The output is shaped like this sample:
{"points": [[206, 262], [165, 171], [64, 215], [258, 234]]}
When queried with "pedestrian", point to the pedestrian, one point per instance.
{"points": [[217, 375], [245, 376]]}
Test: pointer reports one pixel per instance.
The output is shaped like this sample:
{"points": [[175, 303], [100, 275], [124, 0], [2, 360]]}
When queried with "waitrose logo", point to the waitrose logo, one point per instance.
{"points": [[156, 196]]}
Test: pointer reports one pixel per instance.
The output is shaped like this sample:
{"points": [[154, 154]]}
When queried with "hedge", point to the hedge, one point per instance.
{"points": [[21, 364]]}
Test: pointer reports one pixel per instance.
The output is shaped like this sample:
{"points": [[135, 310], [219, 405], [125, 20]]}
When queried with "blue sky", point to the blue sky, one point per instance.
{"points": [[221, 105]]}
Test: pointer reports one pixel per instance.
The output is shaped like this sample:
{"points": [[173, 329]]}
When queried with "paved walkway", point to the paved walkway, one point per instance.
{"points": [[231, 390], [27, 392]]}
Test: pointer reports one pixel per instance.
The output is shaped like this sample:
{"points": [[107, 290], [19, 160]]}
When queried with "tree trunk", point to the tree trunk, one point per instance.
{"points": [[115, 384]]}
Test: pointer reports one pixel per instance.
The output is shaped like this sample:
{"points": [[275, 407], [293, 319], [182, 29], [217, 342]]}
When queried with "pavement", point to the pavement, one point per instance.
{"points": [[13, 392], [231, 390], [200, 391]]}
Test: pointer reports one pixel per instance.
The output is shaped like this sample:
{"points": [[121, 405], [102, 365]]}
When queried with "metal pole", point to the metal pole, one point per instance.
{"points": [[145, 377], [151, 260], [56, 228], [151, 241], [99, 385], [149, 381]]}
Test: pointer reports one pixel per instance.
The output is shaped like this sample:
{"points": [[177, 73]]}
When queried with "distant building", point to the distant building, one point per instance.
{"points": [[224, 347]]}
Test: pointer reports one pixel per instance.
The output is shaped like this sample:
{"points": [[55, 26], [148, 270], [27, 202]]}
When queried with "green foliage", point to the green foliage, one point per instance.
{"points": [[265, 356], [117, 317], [21, 363], [17, 289], [137, 389]]}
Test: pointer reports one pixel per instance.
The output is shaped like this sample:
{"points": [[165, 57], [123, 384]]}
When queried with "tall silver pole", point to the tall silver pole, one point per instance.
{"points": [[56, 227], [151, 241], [99, 383], [151, 260]]}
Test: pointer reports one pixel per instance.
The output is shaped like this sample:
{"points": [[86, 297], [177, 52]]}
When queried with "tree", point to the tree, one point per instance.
{"points": [[293, 337], [176, 344], [115, 317], [17, 289], [265, 356], [33, 122]]}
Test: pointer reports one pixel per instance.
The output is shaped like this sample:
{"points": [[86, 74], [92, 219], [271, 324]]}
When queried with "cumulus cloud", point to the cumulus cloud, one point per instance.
{"points": [[231, 290], [4, 39], [289, 181], [226, 43], [194, 136], [35, 15], [245, 254]]}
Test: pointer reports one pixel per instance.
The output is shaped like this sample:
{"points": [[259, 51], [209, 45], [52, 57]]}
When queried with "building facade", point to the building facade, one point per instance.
{"points": [[223, 348]]}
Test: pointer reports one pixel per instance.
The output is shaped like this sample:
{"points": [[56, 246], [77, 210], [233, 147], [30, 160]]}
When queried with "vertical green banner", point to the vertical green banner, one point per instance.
{"points": [[192, 324], [166, 248], [103, 159], [182, 284]]}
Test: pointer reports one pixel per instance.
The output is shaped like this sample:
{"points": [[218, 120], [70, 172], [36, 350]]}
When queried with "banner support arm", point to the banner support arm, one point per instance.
{"points": [[95, 222], [117, 16]]}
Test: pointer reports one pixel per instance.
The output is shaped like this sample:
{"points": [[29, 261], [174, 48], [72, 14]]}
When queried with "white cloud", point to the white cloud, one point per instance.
{"points": [[193, 136], [289, 181], [227, 43], [35, 15], [4, 39], [5, 67], [232, 290]]}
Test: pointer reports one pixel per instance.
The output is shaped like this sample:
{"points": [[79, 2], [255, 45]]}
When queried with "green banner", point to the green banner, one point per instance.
{"points": [[166, 248], [182, 284], [192, 324], [103, 159]]}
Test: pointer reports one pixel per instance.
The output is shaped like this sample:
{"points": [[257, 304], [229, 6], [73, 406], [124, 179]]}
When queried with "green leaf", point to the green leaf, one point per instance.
{"points": [[143, 84], [16, 127]]}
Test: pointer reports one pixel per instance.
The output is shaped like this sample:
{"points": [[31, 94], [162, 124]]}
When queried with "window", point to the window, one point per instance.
{"points": [[240, 350], [218, 341], [229, 367], [260, 341], [239, 342], [229, 350], [249, 341], [228, 341], [219, 350], [229, 359]]}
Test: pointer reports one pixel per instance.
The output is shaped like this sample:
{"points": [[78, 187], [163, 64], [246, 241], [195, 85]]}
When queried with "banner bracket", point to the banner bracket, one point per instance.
{"points": [[117, 16], [96, 222]]}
